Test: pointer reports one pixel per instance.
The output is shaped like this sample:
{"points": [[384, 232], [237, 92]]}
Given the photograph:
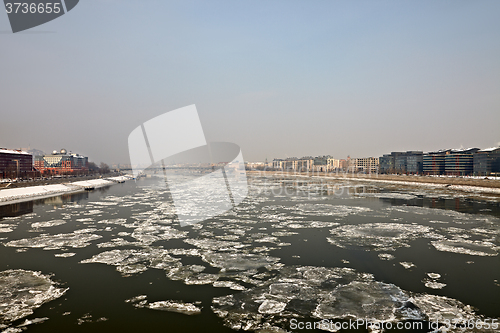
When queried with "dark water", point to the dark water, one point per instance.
{"points": [[282, 228]]}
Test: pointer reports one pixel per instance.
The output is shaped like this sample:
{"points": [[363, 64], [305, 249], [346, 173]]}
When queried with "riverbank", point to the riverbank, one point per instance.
{"points": [[465, 184], [21, 194], [4, 184]]}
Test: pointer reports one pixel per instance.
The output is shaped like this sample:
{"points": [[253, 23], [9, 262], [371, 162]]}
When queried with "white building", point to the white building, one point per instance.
{"points": [[364, 164]]}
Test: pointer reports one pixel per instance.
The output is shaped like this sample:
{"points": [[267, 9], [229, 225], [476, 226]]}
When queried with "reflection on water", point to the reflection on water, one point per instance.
{"points": [[16, 209], [294, 249], [22, 208]]}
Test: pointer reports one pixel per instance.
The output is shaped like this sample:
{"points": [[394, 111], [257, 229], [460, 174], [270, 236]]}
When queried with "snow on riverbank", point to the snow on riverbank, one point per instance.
{"points": [[14, 195], [463, 188]]}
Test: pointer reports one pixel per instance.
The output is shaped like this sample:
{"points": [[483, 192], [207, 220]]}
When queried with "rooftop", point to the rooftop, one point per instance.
{"points": [[13, 151]]}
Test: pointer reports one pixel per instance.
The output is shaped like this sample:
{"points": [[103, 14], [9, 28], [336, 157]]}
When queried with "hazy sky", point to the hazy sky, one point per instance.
{"points": [[279, 78]]}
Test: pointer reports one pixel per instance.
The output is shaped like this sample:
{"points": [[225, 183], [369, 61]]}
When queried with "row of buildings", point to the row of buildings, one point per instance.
{"points": [[21, 164], [326, 164], [453, 162]]}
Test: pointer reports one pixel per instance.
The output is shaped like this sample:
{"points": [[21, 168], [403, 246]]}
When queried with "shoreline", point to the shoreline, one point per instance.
{"points": [[29, 193], [471, 185]]}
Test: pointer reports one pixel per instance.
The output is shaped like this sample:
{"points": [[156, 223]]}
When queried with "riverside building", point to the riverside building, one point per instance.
{"points": [[460, 162], [16, 164], [487, 162], [61, 163]]}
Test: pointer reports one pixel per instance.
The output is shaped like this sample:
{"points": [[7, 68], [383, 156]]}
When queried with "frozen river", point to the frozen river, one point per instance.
{"points": [[295, 252]]}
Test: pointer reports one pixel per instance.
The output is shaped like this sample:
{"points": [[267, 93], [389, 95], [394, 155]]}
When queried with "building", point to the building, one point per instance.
{"points": [[278, 164], [386, 163], [16, 164], [395, 162], [321, 164], [291, 163], [343, 164], [62, 162], [365, 164], [487, 162], [414, 162], [434, 162], [460, 162], [333, 163], [305, 164], [400, 161]]}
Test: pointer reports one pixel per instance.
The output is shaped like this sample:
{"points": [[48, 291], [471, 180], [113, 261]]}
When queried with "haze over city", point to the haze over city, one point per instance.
{"points": [[281, 78]]}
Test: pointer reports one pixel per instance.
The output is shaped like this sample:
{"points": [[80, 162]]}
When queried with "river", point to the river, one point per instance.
{"points": [[293, 252]]}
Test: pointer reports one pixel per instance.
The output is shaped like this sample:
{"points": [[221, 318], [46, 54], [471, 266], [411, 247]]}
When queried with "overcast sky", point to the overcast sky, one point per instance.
{"points": [[279, 78]]}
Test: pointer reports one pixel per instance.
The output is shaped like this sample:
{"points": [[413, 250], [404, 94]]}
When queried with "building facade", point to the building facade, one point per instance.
{"points": [[364, 164], [460, 162], [62, 162], [386, 163], [487, 162], [414, 162], [278, 164], [434, 162], [16, 164]]}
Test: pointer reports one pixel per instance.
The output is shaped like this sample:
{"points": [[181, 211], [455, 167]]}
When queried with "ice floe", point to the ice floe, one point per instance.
{"points": [[76, 239], [407, 265], [331, 294], [47, 224], [170, 305], [465, 246], [378, 236], [22, 291]]}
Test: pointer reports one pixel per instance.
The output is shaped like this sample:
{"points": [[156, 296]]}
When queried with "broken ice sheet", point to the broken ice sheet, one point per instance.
{"points": [[386, 256], [433, 284], [87, 318], [47, 224], [32, 321], [238, 261], [316, 209], [465, 246], [134, 261], [434, 275], [172, 306], [407, 264], [228, 284], [22, 291], [64, 255], [76, 239], [331, 293], [379, 236]]}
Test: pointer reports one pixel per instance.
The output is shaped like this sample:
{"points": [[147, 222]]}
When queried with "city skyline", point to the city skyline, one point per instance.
{"points": [[279, 79]]}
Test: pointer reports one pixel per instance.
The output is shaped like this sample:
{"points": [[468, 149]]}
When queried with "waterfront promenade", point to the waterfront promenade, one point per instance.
{"points": [[28, 193]]}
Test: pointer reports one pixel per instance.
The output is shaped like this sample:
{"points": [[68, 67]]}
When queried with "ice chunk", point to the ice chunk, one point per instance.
{"points": [[386, 256], [238, 261], [331, 294], [407, 264], [172, 306], [271, 307], [434, 275], [77, 239], [433, 284], [378, 236], [132, 261], [22, 291], [64, 255], [47, 224], [465, 246]]}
